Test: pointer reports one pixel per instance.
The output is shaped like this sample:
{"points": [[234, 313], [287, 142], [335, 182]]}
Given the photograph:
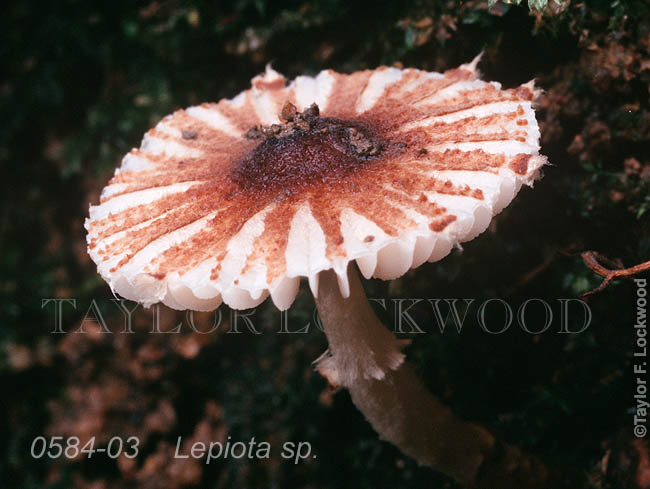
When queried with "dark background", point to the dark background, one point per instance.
{"points": [[82, 81]]}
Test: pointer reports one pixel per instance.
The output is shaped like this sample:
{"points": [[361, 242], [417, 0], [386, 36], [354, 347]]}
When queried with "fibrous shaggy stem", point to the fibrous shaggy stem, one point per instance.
{"points": [[365, 358]]}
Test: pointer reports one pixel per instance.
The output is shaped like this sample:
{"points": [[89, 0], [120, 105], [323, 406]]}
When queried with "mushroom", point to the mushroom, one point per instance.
{"points": [[237, 200]]}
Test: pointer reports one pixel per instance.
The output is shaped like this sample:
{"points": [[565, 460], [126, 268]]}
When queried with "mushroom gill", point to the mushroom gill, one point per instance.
{"points": [[238, 199]]}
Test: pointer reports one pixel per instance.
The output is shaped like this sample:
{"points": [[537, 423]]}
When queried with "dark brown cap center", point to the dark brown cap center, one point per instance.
{"points": [[306, 148]]}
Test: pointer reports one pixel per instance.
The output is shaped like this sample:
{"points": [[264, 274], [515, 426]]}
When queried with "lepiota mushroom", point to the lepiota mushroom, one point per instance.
{"points": [[388, 168]]}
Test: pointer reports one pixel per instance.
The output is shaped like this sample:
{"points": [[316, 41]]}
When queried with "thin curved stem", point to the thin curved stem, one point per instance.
{"points": [[365, 358]]}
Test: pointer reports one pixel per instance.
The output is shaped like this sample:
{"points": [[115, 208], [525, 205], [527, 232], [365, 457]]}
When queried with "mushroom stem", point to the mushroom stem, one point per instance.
{"points": [[365, 358]]}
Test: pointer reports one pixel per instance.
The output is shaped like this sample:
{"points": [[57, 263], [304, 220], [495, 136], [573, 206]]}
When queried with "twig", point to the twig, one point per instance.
{"points": [[593, 260]]}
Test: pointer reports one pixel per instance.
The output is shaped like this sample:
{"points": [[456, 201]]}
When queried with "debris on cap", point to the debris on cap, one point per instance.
{"points": [[236, 200]]}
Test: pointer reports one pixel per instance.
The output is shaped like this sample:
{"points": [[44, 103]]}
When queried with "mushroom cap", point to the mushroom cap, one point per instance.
{"points": [[203, 213]]}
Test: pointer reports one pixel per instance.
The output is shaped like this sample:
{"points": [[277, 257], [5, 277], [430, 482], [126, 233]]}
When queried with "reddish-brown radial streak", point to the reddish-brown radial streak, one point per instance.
{"points": [[345, 93]]}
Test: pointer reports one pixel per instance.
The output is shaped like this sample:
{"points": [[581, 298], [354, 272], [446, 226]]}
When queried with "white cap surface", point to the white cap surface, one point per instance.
{"points": [[173, 226]]}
